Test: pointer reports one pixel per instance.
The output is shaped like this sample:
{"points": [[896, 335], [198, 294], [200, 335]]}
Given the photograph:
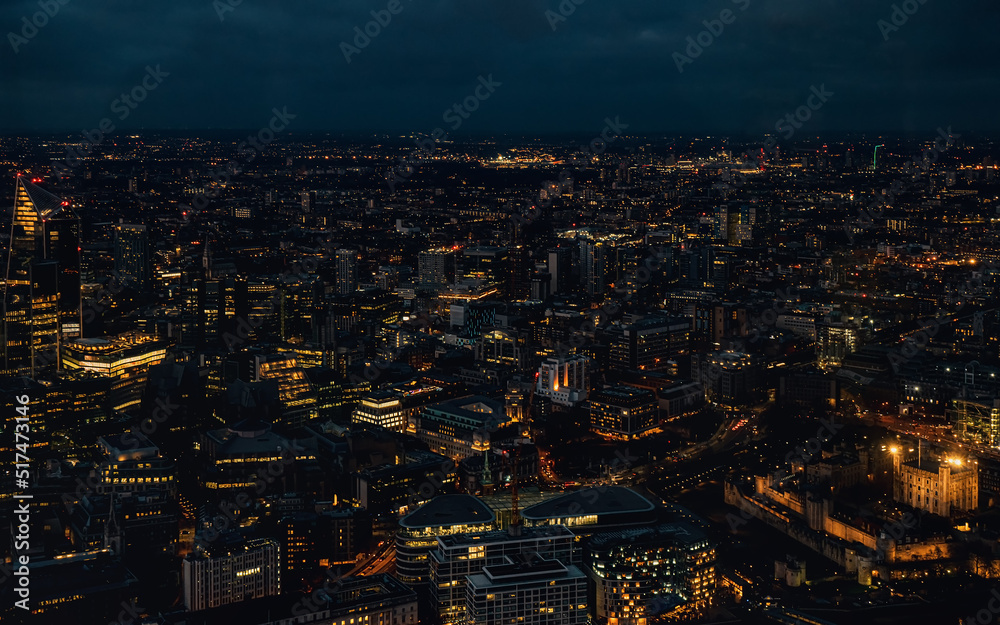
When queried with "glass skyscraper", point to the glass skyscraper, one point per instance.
{"points": [[42, 288]]}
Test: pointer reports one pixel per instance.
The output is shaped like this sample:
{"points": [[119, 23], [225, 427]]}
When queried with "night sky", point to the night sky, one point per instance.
{"points": [[608, 58]]}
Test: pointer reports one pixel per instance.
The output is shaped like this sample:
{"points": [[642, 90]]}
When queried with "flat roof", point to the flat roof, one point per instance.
{"points": [[449, 510], [596, 500], [679, 531], [503, 536]]}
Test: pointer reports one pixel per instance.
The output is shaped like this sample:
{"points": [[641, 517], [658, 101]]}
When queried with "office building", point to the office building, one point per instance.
{"points": [[396, 488], [650, 344], [133, 464], [560, 265], [42, 299], [125, 359], [590, 510], [231, 574], [436, 268], [460, 555], [316, 540], [730, 379], [444, 515], [623, 412], [382, 409], [593, 267], [347, 271], [460, 427], [378, 599], [487, 263], [133, 257], [636, 573], [533, 593], [564, 381]]}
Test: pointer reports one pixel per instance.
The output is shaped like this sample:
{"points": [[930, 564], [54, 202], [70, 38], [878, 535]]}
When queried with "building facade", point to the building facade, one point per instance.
{"points": [[230, 575]]}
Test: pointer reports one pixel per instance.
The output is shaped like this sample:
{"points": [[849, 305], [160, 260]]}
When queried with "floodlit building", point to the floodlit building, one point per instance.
{"points": [[564, 381], [944, 486]]}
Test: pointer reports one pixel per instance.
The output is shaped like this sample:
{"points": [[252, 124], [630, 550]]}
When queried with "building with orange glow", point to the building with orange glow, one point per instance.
{"points": [[42, 288]]}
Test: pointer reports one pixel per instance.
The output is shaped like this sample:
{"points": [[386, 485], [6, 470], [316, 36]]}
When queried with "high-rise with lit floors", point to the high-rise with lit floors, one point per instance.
{"points": [[593, 266], [42, 288], [132, 256], [347, 272]]}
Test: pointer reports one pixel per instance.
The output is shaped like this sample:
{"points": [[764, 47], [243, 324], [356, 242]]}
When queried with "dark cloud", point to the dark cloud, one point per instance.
{"points": [[607, 58]]}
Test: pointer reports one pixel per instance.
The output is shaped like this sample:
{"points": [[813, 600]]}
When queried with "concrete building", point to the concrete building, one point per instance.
{"points": [[650, 344], [230, 574], [564, 381], [458, 428], [459, 556], [623, 412], [536, 593]]}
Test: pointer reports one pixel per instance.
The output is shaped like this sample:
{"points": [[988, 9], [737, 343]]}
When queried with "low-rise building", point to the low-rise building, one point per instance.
{"points": [[532, 593]]}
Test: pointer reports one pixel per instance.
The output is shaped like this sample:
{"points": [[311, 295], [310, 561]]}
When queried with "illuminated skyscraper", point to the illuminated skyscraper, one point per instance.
{"points": [[42, 289], [347, 272], [132, 256]]}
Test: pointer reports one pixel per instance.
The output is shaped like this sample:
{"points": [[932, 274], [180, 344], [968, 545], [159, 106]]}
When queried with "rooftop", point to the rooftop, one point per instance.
{"points": [[448, 510], [597, 500]]}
